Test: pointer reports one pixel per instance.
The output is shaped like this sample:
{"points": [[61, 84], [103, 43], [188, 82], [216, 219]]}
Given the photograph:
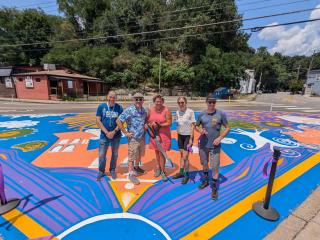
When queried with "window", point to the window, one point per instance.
{"points": [[8, 82], [20, 79], [75, 141], [56, 148], [29, 82], [38, 79], [64, 141], [69, 148], [70, 84]]}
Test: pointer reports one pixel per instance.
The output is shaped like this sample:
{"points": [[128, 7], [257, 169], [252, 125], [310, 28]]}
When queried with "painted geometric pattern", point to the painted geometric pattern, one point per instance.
{"points": [[50, 162]]}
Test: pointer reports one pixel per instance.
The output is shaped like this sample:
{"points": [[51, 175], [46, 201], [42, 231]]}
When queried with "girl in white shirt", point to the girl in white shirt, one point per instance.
{"points": [[185, 127]]}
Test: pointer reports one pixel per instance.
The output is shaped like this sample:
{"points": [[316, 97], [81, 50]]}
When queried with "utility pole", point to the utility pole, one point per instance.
{"points": [[298, 72], [160, 73], [309, 68], [259, 83], [311, 61]]}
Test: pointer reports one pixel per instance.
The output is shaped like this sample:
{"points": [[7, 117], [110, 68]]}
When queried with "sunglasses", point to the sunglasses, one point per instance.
{"points": [[211, 102], [181, 103], [139, 99]]}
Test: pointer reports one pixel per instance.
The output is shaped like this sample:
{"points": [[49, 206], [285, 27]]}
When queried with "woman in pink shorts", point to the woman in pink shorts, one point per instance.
{"points": [[160, 116]]}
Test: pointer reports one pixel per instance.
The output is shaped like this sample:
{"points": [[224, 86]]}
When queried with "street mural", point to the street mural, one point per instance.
{"points": [[50, 162]]}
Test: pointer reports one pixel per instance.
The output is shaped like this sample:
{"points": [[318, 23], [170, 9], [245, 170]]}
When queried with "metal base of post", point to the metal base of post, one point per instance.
{"points": [[270, 213], [11, 204]]}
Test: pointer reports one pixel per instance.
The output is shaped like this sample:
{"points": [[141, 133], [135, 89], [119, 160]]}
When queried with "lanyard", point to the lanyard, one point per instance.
{"points": [[110, 114]]}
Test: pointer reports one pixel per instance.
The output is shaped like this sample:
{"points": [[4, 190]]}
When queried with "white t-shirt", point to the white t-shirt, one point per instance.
{"points": [[184, 121]]}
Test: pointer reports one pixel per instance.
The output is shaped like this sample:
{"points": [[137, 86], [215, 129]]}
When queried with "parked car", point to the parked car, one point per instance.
{"points": [[222, 93]]}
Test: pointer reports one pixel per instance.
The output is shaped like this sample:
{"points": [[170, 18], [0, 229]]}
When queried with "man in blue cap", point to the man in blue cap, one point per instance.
{"points": [[209, 125]]}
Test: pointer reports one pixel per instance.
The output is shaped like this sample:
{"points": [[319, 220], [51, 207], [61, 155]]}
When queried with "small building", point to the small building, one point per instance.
{"points": [[6, 83], [312, 86], [7, 87], [57, 84], [248, 84]]}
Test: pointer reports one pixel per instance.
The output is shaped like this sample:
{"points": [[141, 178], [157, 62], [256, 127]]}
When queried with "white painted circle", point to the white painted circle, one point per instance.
{"points": [[228, 140], [129, 185]]}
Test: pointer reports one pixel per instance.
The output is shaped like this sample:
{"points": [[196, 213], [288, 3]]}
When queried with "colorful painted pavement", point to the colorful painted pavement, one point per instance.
{"points": [[50, 162]]}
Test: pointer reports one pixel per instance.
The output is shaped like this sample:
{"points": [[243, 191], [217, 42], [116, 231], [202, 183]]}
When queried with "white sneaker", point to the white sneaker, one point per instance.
{"points": [[133, 179]]}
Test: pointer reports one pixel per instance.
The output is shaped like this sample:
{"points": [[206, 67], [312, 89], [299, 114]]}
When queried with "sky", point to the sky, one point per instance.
{"points": [[302, 39]]}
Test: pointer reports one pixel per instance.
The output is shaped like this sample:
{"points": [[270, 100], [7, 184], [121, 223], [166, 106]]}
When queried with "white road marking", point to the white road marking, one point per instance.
{"points": [[311, 111], [284, 106], [113, 216], [299, 108]]}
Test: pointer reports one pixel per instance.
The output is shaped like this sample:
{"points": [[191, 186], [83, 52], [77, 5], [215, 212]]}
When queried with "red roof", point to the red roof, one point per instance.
{"points": [[57, 73]]}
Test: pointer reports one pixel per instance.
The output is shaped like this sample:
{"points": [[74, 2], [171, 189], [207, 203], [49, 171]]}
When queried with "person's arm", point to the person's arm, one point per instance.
{"points": [[192, 127], [121, 119], [168, 121], [100, 125], [198, 126], [119, 113], [227, 129], [146, 122]]}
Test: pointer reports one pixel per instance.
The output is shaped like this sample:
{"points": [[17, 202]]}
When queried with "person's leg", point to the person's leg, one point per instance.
{"points": [[215, 164], [185, 155], [133, 148], [140, 153], [181, 147], [158, 169], [204, 155], [181, 170], [186, 167], [115, 148], [162, 161], [103, 147]]}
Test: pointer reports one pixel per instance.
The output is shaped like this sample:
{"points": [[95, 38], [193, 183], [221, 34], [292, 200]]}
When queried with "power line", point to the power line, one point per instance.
{"points": [[137, 25], [161, 30], [252, 29], [156, 23]]}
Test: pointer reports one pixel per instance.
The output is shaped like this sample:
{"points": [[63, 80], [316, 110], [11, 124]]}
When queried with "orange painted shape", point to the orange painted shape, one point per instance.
{"points": [[243, 174], [3, 156], [308, 136]]}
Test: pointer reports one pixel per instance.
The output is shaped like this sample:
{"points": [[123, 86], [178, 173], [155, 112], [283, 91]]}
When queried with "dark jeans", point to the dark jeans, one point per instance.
{"points": [[103, 148]]}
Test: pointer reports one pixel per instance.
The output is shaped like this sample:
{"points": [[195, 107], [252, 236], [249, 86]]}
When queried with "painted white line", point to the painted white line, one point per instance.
{"points": [[299, 108], [283, 106], [311, 111], [127, 180], [113, 216]]}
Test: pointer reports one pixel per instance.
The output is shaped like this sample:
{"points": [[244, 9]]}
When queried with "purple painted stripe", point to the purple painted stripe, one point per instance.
{"points": [[51, 181], [193, 197], [206, 211], [202, 199], [64, 190], [145, 198], [41, 194], [39, 213], [105, 188]]}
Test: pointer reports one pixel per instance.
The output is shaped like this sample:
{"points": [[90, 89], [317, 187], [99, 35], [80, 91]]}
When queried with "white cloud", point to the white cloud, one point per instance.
{"points": [[18, 124], [294, 40]]}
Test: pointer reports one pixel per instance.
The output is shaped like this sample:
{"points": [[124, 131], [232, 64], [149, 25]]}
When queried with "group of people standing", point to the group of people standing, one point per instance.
{"points": [[135, 120]]}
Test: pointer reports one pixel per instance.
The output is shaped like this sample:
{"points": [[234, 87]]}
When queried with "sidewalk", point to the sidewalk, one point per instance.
{"points": [[168, 99], [303, 223]]}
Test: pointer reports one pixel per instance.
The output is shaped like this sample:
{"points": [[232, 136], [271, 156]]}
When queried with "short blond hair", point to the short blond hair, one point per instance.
{"points": [[182, 97]]}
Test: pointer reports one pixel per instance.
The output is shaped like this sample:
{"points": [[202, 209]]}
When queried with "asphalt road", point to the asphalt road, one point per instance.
{"points": [[283, 102]]}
